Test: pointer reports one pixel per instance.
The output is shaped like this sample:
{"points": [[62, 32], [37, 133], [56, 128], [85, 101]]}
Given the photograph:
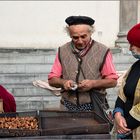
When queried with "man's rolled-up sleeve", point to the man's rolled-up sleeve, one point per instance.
{"points": [[108, 70], [56, 70]]}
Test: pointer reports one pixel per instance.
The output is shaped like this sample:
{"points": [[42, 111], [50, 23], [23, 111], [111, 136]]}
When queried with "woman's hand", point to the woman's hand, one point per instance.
{"points": [[121, 124]]}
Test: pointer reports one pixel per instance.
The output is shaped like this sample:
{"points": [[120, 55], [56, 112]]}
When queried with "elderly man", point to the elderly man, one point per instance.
{"points": [[82, 65]]}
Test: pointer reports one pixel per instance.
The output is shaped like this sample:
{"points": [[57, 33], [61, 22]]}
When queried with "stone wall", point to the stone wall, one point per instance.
{"points": [[20, 67]]}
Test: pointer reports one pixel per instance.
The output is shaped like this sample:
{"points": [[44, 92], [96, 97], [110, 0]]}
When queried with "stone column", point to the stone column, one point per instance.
{"points": [[128, 18]]}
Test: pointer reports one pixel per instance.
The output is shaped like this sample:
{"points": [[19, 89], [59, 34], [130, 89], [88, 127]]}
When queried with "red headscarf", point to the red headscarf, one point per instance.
{"points": [[9, 104], [133, 35]]}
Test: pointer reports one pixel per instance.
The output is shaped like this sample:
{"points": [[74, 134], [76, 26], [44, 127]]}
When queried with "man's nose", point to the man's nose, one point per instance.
{"points": [[80, 41]]}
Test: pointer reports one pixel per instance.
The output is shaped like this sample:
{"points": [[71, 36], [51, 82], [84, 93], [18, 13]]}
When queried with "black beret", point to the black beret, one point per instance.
{"points": [[74, 20]]}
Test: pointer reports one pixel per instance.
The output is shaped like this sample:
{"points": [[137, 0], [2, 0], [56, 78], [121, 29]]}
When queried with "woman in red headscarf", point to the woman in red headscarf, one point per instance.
{"points": [[127, 107], [9, 104]]}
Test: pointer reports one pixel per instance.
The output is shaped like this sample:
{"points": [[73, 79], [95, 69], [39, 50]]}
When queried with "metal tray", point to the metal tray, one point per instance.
{"points": [[55, 122], [5, 132]]}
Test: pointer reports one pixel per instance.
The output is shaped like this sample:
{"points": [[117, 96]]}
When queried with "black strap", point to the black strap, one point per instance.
{"points": [[79, 60], [100, 108], [77, 77]]}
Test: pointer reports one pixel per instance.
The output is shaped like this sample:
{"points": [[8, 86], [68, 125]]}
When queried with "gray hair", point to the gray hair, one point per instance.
{"points": [[91, 29]]}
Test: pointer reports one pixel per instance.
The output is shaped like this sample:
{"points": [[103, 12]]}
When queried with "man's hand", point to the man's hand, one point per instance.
{"points": [[68, 85], [85, 85]]}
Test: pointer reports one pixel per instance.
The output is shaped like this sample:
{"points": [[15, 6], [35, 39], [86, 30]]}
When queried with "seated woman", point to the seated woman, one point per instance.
{"points": [[9, 104]]}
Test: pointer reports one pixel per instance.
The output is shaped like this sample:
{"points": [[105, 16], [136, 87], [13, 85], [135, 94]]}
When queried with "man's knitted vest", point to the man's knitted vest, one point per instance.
{"points": [[91, 66]]}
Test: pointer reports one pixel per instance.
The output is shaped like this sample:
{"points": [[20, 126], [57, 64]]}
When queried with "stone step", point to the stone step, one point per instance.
{"points": [[122, 67], [29, 91], [24, 68], [23, 59], [36, 103], [21, 78], [122, 56], [26, 51]]}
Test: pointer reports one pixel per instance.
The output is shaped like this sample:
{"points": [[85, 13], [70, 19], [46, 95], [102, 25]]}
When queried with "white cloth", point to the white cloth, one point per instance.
{"points": [[121, 75], [45, 85]]}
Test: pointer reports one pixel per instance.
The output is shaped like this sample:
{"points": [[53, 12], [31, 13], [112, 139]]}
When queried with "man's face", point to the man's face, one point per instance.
{"points": [[80, 35]]}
